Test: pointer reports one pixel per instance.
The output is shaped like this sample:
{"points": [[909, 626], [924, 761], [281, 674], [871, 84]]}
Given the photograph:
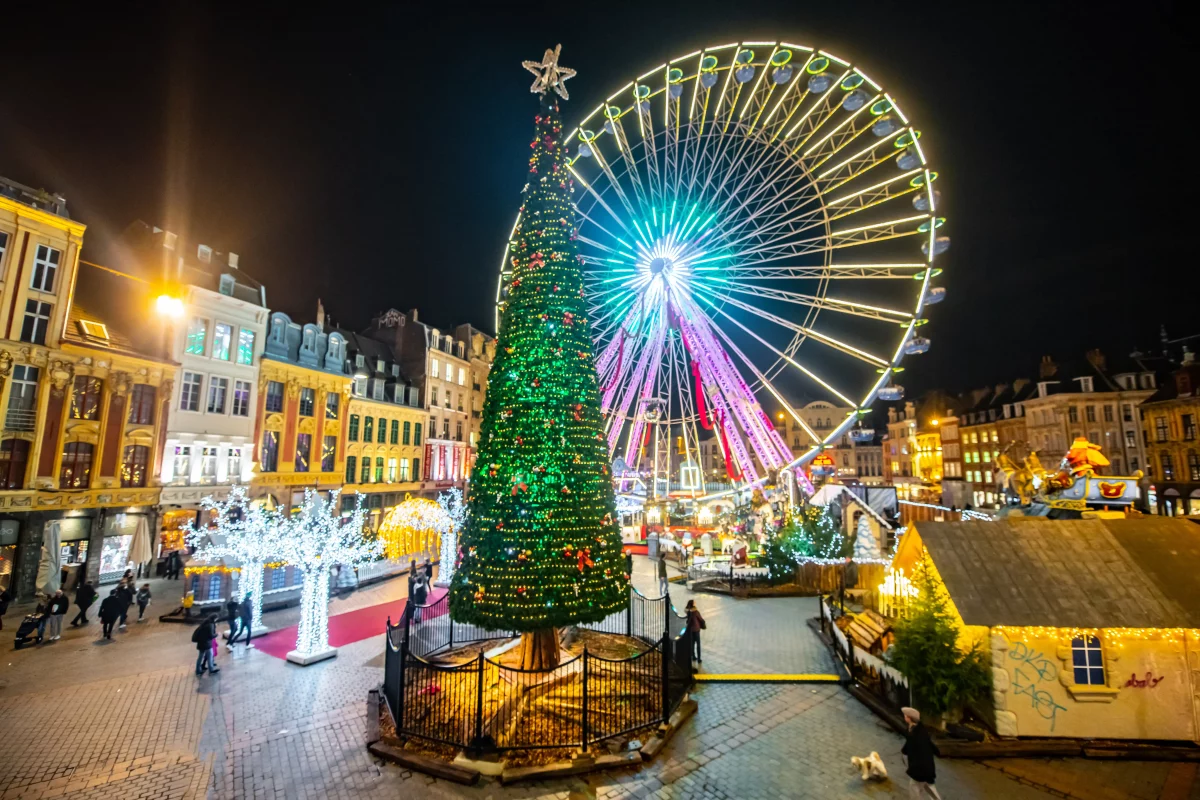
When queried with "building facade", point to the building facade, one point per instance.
{"points": [[480, 349], [301, 420], [1171, 418], [85, 406], [821, 417]]}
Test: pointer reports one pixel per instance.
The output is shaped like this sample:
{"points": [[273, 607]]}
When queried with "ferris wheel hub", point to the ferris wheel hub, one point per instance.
{"points": [[660, 264]]}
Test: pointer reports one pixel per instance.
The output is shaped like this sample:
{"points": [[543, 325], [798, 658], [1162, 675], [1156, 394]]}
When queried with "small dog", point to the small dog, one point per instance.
{"points": [[871, 766]]}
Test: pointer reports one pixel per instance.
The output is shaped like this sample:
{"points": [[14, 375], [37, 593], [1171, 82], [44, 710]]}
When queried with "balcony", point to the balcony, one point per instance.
{"points": [[20, 419]]}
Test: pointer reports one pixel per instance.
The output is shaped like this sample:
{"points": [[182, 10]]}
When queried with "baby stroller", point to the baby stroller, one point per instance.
{"points": [[28, 630]]}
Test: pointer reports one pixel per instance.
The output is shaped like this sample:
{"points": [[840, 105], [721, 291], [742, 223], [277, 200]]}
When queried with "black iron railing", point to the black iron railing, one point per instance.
{"points": [[484, 705]]}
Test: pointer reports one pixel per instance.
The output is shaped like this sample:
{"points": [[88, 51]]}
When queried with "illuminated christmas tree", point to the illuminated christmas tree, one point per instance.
{"points": [[541, 548]]}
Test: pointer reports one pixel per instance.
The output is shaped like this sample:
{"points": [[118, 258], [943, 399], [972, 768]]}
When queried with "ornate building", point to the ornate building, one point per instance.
{"points": [[1171, 420], [84, 399]]}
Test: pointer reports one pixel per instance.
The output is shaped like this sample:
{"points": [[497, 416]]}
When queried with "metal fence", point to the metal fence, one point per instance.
{"points": [[484, 705], [867, 670]]}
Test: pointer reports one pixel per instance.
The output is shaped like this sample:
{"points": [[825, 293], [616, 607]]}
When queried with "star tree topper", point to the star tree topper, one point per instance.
{"points": [[549, 74]]}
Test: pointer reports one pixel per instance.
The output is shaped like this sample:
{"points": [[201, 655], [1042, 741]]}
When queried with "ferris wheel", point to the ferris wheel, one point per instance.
{"points": [[757, 223]]}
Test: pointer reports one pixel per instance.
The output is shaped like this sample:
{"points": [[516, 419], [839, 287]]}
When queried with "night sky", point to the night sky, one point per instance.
{"points": [[374, 158]]}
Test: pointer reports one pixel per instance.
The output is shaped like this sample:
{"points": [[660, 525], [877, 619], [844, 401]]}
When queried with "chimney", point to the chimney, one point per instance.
{"points": [[1047, 369], [1188, 356], [1096, 359], [233, 260], [412, 314], [169, 240], [320, 314]]}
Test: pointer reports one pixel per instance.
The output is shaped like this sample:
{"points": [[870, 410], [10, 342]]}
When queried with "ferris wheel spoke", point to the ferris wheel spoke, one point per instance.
{"points": [[876, 194], [856, 165], [822, 109], [824, 303], [844, 272], [630, 208], [635, 177], [842, 134], [633, 234]]}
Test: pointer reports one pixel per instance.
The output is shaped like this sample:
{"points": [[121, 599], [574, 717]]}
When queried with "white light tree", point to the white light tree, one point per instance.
{"points": [[246, 533], [314, 540], [866, 543], [452, 503]]}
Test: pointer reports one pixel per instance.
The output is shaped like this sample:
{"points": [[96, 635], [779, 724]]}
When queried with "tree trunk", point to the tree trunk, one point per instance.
{"points": [[312, 635], [539, 649], [253, 575]]}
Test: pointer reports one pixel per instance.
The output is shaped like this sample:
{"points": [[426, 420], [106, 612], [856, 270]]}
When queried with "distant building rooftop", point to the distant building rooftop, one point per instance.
{"points": [[36, 198]]}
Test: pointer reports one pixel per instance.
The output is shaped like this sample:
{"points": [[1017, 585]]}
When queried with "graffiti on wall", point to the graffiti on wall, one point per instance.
{"points": [[1035, 668], [1148, 682]]}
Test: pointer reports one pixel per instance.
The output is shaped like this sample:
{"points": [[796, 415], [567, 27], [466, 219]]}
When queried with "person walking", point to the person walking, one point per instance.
{"points": [[125, 594], [429, 572], [143, 600], [695, 624], [43, 610], [5, 599], [85, 595], [173, 562], [412, 576], [203, 637], [58, 609], [245, 612], [662, 575], [419, 596], [918, 751], [110, 612], [234, 619]]}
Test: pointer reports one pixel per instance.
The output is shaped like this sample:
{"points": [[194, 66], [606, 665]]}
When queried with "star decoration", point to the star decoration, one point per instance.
{"points": [[550, 76]]}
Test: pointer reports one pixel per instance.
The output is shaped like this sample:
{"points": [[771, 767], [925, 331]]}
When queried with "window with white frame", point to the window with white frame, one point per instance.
{"points": [[36, 323], [3, 246], [433, 367], [208, 465], [45, 268], [196, 334], [245, 352], [181, 462], [235, 464], [189, 391], [241, 398], [218, 391], [462, 376], [222, 341], [1088, 661]]}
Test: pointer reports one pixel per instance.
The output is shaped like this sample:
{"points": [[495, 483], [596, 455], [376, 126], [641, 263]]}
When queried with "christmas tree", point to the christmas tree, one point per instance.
{"points": [[541, 548]]}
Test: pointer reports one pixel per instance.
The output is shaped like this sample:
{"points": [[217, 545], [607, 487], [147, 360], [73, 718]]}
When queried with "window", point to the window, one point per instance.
{"points": [[408, 432], [328, 453], [1189, 427], [218, 389], [365, 475], [458, 431], [3, 246], [433, 396], [1073, 414], [181, 462], [269, 460], [245, 346], [141, 404], [1090, 413], [234, 465], [351, 468], [76, 466], [383, 429], [308, 398], [85, 398], [416, 436], [1127, 412], [45, 267], [278, 577], [416, 469], [134, 465], [446, 428], [377, 389], [303, 451], [14, 457], [395, 437], [1108, 414], [1087, 660], [208, 465], [1130, 438], [1193, 465], [1161, 431], [462, 376], [222, 340], [196, 333], [1168, 467], [241, 398], [360, 387], [274, 400], [447, 403], [433, 367], [353, 433], [391, 470], [460, 402], [403, 477], [332, 399], [37, 322], [214, 585], [379, 470], [22, 399], [368, 429]]}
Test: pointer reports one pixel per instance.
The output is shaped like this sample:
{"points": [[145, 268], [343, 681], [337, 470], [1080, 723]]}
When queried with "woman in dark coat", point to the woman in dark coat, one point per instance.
{"points": [[85, 595], [110, 612], [918, 751], [695, 624], [203, 637]]}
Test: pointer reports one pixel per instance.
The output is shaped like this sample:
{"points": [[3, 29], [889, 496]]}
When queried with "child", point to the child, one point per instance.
{"points": [[188, 600], [143, 600]]}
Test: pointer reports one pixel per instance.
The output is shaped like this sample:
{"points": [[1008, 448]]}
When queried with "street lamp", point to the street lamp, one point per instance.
{"points": [[168, 306]]}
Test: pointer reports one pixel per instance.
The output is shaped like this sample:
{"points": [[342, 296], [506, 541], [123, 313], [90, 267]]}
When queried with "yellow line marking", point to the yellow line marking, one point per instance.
{"points": [[704, 677]]}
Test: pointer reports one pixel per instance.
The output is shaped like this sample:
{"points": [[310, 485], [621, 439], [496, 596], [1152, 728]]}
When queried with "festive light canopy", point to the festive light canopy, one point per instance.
{"points": [[415, 525], [541, 548]]}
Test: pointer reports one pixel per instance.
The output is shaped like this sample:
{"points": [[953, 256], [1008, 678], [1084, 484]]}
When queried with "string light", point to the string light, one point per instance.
{"points": [[541, 547], [245, 532], [1115, 637], [412, 526], [314, 541], [452, 504]]}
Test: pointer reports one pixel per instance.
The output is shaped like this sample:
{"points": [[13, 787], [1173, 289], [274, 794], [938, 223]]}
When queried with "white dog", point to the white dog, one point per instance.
{"points": [[871, 766]]}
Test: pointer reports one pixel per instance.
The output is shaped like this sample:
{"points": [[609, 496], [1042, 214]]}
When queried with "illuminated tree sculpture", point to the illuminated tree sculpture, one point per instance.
{"points": [[244, 532], [541, 548], [314, 541], [452, 504]]}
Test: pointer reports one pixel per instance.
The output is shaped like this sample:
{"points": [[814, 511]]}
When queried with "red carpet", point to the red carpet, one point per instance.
{"points": [[636, 549], [348, 628]]}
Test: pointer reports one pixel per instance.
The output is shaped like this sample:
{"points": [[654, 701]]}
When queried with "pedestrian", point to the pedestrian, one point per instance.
{"points": [[695, 624], [662, 574], [85, 595], [173, 561], [110, 612], [419, 596], [125, 596], [233, 618], [43, 611], [5, 599], [429, 572], [918, 752], [412, 576], [189, 600], [245, 612], [58, 609], [203, 637], [143, 600]]}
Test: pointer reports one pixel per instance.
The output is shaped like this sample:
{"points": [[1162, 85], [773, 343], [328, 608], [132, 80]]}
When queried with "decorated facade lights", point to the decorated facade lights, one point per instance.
{"points": [[244, 532], [313, 541]]}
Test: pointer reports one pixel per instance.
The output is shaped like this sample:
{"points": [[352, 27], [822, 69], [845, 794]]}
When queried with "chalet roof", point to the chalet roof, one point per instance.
{"points": [[1129, 573]]}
